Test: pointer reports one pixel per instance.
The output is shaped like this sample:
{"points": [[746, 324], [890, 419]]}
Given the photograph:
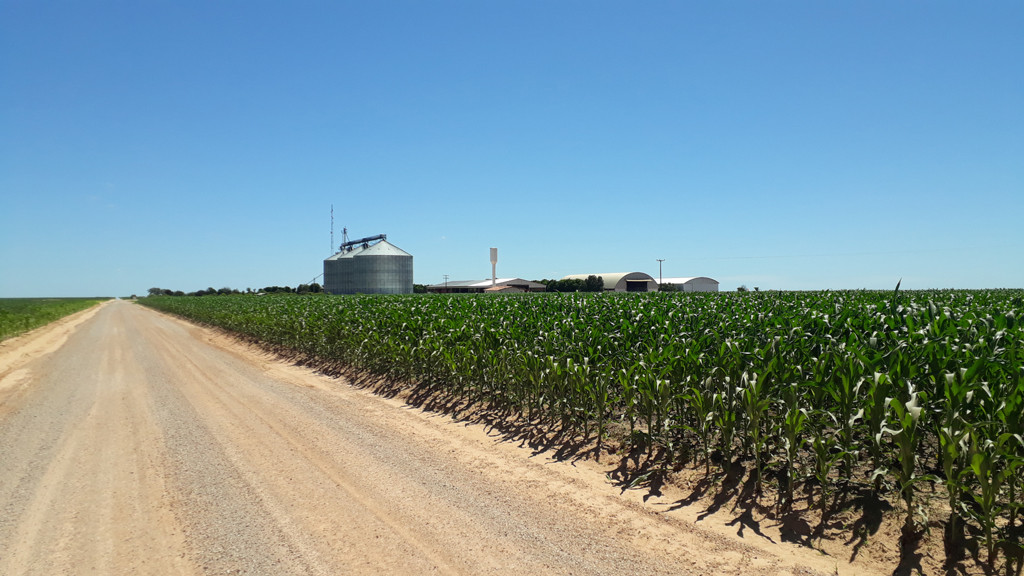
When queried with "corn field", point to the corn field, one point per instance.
{"points": [[914, 393], [19, 315]]}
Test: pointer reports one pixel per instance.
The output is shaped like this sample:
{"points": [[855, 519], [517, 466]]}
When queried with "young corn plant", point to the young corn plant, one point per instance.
{"points": [[843, 390], [1011, 421], [953, 451], [755, 404], [702, 401], [876, 406], [726, 418], [627, 383], [907, 436], [954, 432], [600, 396], [824, 447], [794, 420], [991, 464], [659, 395]]}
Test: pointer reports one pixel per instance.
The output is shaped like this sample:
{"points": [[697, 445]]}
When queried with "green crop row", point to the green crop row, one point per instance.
{"points": [[19, 315], [887, 390]]}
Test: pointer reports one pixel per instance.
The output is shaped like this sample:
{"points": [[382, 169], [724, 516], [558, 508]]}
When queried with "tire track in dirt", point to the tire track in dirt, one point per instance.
{"points": [[81, 484]]}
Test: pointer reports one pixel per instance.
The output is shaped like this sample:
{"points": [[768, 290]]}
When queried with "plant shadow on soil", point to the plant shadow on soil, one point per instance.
{"points": [[648, 469]]}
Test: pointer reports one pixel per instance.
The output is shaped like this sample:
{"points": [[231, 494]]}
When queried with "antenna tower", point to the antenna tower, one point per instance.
{"points": [[332, 227]]}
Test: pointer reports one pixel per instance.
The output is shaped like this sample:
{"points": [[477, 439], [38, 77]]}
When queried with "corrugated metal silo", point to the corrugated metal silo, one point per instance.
{"points": [[382, 268], [333, 274], [362, 268], [346, 267], [338, 277]]}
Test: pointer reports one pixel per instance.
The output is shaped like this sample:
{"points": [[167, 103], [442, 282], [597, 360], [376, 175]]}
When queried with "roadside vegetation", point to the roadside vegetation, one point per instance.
{"points": [[19, 315], [909, 404]]}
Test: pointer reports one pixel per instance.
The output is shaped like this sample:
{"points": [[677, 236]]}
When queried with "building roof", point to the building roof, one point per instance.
{"points": [[483, 284], [505, 288], [702, 279]]}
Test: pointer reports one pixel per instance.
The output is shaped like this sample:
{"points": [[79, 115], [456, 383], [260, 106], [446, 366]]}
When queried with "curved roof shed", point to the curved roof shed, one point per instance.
{"points": [[693, 284], [622, 281]]}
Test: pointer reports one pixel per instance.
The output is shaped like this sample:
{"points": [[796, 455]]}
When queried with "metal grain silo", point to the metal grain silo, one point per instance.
{"points": [[332, 274], [338, 271], [381, 268]]}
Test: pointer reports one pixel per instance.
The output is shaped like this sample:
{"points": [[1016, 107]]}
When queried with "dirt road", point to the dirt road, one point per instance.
{"points": [[134, 443]]}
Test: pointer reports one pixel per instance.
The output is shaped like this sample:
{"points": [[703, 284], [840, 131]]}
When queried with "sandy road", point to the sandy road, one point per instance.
{"points": [[139, 444]]}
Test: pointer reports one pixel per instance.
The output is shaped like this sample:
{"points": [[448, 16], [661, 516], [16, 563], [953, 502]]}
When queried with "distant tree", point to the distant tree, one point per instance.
{"points": [[742, 288], [593, 284], [667, 288], [278, 290], [419, 288], [567, 285]]}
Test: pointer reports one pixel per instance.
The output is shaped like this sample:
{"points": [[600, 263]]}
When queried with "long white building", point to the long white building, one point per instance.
{"points": [[693, 284]]}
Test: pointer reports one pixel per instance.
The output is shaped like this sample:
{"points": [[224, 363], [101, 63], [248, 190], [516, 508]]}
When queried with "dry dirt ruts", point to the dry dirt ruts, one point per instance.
{"points": [[135, 443]]}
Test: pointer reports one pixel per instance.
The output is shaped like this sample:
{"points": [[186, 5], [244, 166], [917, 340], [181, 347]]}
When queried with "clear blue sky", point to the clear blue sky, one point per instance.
{"points": [[785, 145]]}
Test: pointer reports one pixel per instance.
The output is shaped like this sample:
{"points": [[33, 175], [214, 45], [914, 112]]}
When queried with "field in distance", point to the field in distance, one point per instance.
{"points": [[19, 315]]}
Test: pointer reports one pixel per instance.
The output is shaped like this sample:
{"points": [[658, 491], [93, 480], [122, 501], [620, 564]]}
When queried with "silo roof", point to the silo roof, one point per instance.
{"points": [[383, 248], [346, 253]]}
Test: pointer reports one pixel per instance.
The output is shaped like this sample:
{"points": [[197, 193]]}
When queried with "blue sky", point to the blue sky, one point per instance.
{"points": [[785, 145]]}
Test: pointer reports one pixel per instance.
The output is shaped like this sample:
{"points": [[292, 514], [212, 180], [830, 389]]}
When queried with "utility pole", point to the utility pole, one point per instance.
{"points": [[660, 260]]}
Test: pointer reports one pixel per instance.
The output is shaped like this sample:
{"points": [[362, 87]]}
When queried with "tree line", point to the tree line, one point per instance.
{"points": [[591, 284], [313, 288]]}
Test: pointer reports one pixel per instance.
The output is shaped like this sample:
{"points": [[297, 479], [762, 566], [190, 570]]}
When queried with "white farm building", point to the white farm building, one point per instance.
{"points": [[694, 284], [496, 285], [622, 281]]}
